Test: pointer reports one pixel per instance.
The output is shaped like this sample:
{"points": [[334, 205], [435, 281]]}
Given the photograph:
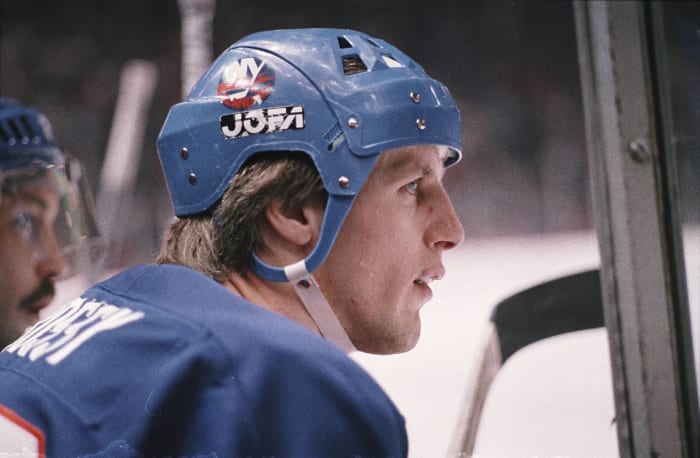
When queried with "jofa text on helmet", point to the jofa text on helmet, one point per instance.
{"points": [[264, 120]]}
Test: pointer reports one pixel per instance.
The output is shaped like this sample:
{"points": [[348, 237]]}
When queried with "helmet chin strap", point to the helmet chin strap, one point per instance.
{"points": [[318, 307], [304, 283]]}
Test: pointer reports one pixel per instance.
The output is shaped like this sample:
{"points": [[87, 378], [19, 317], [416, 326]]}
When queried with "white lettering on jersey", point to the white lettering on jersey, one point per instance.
{"points": [[60, 335]]}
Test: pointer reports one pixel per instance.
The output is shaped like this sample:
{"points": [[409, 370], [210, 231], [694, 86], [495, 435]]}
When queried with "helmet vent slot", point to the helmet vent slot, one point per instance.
{"points": [[373, 43], [27, 127], [4, 134], [353, 64], [17, 133], [333, 136], [391, 62], [344, 43]]}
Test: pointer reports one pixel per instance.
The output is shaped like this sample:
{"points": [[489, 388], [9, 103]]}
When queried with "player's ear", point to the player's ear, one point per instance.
{"points": [[299, 226]]}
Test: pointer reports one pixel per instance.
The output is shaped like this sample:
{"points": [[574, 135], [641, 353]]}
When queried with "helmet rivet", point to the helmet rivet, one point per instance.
{"points": [[304, 284], [184, 153], [415, 96], [344, 182], [192, 178], [353, 123], [420, 123]]}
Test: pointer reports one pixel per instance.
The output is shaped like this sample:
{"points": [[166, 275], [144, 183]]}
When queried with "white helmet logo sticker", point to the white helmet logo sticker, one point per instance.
{"points": [[245, 83], [262, 121]]}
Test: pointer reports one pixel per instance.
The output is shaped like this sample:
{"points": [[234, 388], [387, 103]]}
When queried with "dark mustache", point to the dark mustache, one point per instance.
{"points": [[46, 288]]}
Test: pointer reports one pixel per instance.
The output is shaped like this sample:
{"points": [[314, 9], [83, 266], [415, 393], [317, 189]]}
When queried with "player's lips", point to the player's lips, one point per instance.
{"points": [[428, 276], [39, 299], [36, 305]]}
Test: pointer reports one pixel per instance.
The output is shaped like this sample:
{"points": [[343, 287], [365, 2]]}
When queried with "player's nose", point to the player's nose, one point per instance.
{"points": [[445, 230]]}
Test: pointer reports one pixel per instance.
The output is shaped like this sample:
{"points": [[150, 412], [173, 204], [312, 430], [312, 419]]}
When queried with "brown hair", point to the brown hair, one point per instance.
{"points": [[223, 242]]}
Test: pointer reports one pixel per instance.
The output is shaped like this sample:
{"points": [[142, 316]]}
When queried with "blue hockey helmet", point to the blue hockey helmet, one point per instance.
{"points": [[26, 138], [30, 158], [340, 96]]}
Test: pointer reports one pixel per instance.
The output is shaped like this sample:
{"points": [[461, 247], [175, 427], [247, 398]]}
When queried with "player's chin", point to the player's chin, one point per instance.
{"points": [[412, 340], [409, 336], [399, 338]]}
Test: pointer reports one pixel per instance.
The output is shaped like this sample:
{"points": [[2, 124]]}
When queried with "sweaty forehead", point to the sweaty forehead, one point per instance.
{"points": [[426, 159]]}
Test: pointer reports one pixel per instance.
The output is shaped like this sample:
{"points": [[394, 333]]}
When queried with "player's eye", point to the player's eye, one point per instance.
{"points": [[412, 187], [25, 225]]}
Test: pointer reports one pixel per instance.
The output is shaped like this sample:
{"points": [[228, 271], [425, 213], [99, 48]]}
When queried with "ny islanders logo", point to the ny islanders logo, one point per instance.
{"points": [[245, 83]]}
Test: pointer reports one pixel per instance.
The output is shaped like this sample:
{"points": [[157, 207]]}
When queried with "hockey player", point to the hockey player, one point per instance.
{"points": [[44, 218], [305, 169]]}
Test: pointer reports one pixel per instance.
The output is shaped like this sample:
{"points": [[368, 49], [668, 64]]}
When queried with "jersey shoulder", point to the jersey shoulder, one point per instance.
{"points": [[135, 352]]}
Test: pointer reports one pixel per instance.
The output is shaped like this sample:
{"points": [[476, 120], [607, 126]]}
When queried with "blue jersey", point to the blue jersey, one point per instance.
{"points": [[164, 361]]}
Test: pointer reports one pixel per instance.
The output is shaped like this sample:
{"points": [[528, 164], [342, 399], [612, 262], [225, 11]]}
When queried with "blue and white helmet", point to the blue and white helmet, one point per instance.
{"points": [[291, 90]]}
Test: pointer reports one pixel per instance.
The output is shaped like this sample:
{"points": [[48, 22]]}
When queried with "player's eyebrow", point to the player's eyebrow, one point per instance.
{"points": [[14, 198], [400, 165], [44, 204], [32, 197], [36, 200]]}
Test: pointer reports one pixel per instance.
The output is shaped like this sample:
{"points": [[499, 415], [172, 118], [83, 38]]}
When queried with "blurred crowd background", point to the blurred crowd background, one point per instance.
{"points": [[511, 65]]}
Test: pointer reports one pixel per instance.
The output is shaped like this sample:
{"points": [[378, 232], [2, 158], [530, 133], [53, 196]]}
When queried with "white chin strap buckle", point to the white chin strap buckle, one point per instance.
{"points": [[316, 304]]}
